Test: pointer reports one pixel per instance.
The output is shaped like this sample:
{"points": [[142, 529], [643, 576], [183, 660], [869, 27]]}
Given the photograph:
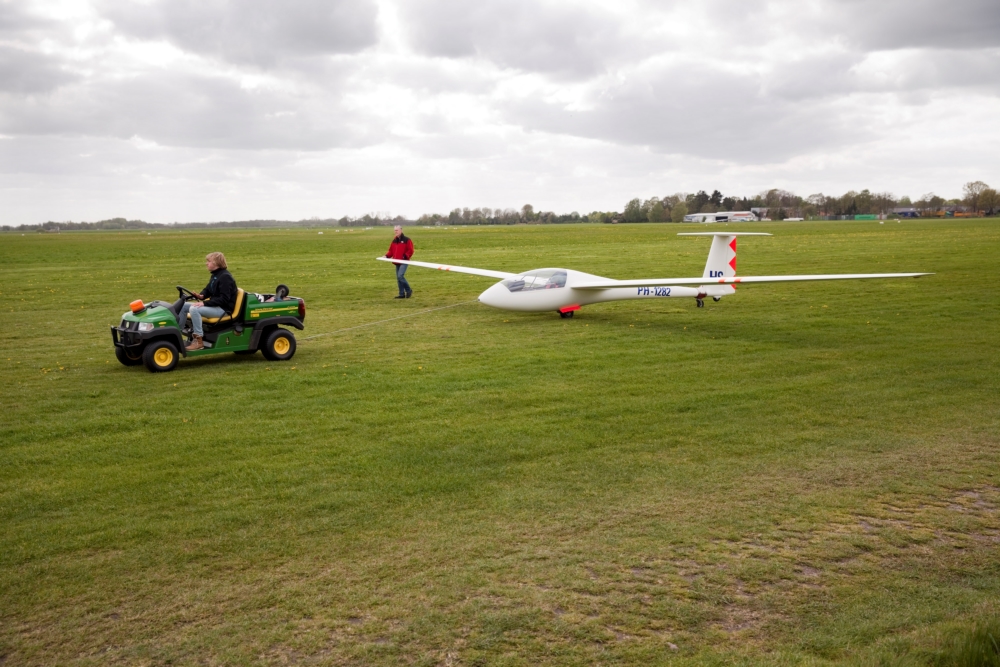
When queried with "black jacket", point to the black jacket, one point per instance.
{"points": [[220, 290]]}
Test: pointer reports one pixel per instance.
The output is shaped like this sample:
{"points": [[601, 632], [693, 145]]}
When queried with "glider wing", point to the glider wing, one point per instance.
{"points": [[454, 269], [736, 280]]}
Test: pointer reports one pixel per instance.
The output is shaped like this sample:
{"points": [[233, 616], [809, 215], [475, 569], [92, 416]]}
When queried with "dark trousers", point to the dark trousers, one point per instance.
{"points": [[404, 287]]}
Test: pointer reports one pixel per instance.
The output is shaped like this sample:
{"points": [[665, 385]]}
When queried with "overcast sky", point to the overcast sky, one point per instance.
{"points": [[198, 110]]}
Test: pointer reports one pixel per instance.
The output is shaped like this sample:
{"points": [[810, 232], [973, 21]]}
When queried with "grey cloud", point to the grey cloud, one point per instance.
{"points": [[28, 72], [457, 146], [944, 69], [682, 111], [184, 110], [955, 24], [14, 21], [814, 77], [23, 69], [567, 40], [864, 25], [429, 76], [257, 32], [577, 41], [912, 71]]}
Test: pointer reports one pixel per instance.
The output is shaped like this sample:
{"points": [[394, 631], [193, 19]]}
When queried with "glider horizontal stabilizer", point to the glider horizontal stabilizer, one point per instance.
{"points": [[723, 234], [736, 280], [454, 269]]}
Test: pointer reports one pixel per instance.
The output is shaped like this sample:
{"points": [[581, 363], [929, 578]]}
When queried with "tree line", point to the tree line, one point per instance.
{"points": [[114, 224], [780, 204], [978, 199]]}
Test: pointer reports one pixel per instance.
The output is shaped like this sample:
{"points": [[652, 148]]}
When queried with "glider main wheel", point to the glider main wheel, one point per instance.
{"points": [[566, 315], [279, 346], [128, 357], [160, 356], [717, 299], [701, 303]]}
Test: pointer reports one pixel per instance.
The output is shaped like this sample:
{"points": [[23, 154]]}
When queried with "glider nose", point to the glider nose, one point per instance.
{"points": [[493, 296]]}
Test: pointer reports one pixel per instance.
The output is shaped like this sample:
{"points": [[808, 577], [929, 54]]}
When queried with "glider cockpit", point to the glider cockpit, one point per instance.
{"points": [[533, 280]]}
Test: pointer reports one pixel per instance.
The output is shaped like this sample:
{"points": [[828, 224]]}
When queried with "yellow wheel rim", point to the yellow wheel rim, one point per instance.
{"points": [[282, 345], [163, 357]]}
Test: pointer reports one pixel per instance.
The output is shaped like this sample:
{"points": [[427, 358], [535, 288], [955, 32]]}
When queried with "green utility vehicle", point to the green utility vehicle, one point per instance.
{"points": [[150, 334]]}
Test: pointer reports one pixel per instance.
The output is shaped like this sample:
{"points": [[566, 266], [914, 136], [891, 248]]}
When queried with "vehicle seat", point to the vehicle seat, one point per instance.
{"points": [[241, 303]]}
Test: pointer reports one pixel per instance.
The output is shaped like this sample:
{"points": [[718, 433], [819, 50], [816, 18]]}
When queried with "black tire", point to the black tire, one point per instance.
{"points": [[566, 315], [280, 292], [160, 356], [279, 345], [128, 357]]}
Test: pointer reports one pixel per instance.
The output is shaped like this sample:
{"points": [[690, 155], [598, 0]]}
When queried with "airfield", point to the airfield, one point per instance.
{"points": [[803, 473]]}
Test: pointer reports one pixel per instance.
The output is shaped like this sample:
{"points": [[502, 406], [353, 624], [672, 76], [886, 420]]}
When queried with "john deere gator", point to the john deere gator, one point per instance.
{"points": [[150, 334]]}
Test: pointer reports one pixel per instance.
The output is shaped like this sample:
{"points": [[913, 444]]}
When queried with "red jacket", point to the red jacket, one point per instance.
{"points": [[400, 248]]}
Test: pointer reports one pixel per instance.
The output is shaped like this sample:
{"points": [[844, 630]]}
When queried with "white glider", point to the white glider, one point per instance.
{"points": [[565, 290]]}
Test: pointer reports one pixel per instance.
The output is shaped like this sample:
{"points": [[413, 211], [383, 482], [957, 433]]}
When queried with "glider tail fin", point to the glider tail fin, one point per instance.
{"points": [[721, 257]]}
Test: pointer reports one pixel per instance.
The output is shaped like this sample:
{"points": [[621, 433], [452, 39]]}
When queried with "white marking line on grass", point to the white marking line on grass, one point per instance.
{"points": [[371, 324]]}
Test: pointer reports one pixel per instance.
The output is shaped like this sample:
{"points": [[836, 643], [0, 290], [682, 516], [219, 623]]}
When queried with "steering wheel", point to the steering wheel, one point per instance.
{"points": [[186, 294]]}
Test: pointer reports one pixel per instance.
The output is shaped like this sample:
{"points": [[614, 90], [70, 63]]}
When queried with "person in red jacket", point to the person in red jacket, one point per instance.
{"points": [[401, 248]]}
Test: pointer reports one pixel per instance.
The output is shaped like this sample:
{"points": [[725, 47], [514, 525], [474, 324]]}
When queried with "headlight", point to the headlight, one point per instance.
{"points": [[145, 326]]}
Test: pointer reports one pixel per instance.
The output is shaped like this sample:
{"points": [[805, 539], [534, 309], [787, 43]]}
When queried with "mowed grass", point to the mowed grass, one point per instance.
{"points": [[800, 474]]}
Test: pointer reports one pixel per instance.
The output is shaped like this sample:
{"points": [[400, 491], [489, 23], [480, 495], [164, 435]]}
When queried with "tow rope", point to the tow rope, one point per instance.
{"points": [[391, 319]]}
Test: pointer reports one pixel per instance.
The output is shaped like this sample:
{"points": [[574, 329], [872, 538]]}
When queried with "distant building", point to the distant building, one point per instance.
{"points": [[722, 216], [906, 212]]}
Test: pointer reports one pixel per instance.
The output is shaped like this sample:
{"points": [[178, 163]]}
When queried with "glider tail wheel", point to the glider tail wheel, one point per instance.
{"points": [[568, 314], [717, 299]]}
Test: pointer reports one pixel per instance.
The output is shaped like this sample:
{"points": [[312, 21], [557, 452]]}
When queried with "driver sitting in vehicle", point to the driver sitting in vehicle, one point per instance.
{"points": [[217, 299]]}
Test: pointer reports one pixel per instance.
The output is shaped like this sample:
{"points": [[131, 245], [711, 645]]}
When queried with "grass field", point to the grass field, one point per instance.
{"points": [[800, 474]]}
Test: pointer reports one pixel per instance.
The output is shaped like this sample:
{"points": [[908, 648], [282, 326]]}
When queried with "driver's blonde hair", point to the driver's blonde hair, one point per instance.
{"points": [[218, 259]]}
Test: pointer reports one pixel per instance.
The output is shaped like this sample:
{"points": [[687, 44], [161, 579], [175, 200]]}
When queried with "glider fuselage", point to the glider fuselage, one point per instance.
{"points": [[552, 289]]}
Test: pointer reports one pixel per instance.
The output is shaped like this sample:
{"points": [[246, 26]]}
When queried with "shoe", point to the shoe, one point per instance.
{"points": [[196, 344], [409, 294], [399, 297]]}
